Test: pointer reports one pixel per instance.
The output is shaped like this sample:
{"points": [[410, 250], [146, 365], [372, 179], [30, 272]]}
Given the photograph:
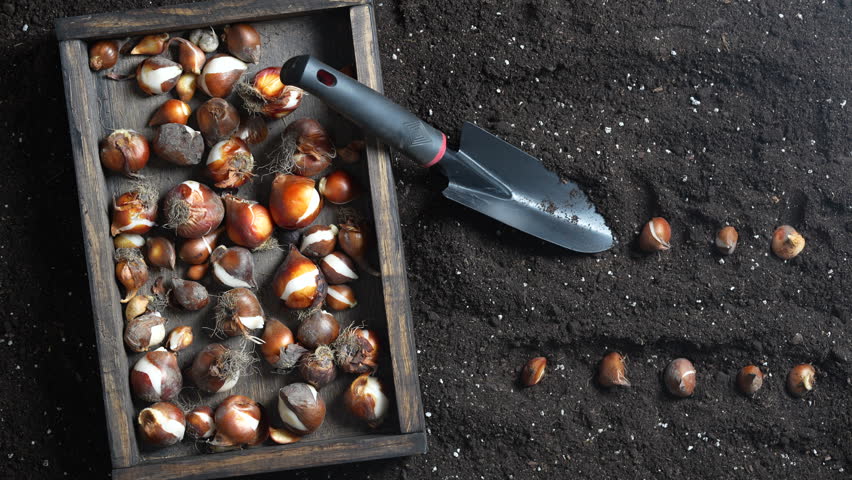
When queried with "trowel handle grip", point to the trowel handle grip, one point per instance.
{"points": [[367, 108]]}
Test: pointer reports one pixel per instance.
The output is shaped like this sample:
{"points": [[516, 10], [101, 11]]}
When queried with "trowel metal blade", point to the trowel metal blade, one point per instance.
{"points": [[503, 182]]}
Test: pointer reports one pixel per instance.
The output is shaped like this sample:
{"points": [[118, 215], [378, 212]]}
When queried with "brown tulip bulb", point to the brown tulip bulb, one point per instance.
{"points": [[726, 240], [186, 86], [357, 351], [355, 239], [125, 151], [196, 251], [151, 44], [180, 338], [340, 297], [200, 424], [238, 313], [162, 424], [276, 336], [318, 368], [230, 163], [801, 380], [135, 211], [128, 240], [533, 371], [268, 96], [104, 54], [137, 306], [294, 202], [144, 332], [219, 75], [339, 187], [130, 270], [750, 379], [282, 436], [318, 328], [679, 377], [160, 252], [243, 42], [352, 153], [252, 129], [307, 147], [156, 377], [301, 408], [193, 210], [338, 268], [217, 119], [238, 421], [611, 372], [233, 267], [205, 38], [157, 75], [189, 295], [787, 243], [299, 282], [217, 368], [178, 144], [248, 223], [173, 111], [191, 58], [197, 272], [655, 235], [366, 399], [319, 240]]}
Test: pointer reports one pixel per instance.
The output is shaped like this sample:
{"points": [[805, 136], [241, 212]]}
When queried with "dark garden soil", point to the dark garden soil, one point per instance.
{"points": [[705, 113]]}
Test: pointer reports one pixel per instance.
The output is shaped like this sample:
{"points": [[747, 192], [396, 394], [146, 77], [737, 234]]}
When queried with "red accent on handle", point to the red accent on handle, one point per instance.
{"points": [[440, 153]]}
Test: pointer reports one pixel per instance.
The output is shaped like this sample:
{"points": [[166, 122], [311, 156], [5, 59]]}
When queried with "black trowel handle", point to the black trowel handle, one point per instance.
{"points": [[367, 108]]}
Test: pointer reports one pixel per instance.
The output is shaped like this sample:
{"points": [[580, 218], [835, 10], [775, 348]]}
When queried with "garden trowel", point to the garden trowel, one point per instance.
{"points": [[485, 174]]}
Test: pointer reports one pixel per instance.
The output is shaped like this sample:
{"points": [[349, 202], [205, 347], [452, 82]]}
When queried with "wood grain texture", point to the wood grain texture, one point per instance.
{"points": [[389, 235], [82, 118], [276, 458], [182, 17]]}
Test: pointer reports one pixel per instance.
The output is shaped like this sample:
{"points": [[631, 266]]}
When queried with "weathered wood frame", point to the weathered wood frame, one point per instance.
{"points": [[94, 207]]}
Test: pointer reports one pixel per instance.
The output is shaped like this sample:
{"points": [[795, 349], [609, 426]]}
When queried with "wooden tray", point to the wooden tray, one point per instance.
{"points": [[340, 32]]}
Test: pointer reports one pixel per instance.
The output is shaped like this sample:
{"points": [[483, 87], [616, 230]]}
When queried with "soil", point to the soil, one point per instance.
{"points": [[704, 113]]}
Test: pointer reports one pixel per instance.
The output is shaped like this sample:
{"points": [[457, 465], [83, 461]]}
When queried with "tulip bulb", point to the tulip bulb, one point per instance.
{"points": [[276, 337], [125, 151], [205, 39], [219, 75], [157, 75], [178, 144], [217, 119], [679, 377], [298, 282], [355, 239], [319, 240], [238, 313], [243, 42], [611, 372], [750, 379], [318, 368], [306, 149], [156, 376], [189, 295], [160, 252], [339, 187], [239, 421], [191, 58], [180, 338], [340, 297], [151, 45], [533, 371], [294, 202], [352, 153], [357, 351], [137, 306], [318, 328], [144, 332], [801, 380], [248, 223], [200, 424], [131, 271], [366, 399], [193, 210], [128, 240], [301, 408], [252, 129], [282, 436], [196, 251], [162, 424], [217, 368], [197, 272], [186, 85], [338, 268], [726, 240], [230, 163], [135, 212], [266, 95], [787, 243], [655, 235], [104, 54], [173, 111], [233, 267]]}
